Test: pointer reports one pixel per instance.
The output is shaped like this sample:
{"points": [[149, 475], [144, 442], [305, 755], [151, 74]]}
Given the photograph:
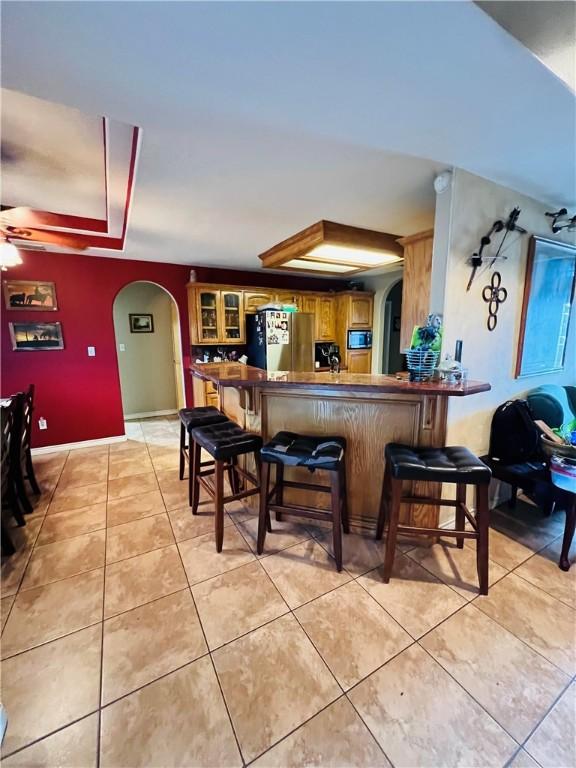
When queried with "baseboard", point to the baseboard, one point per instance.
{"points": [[81, 444], [149, 414]]}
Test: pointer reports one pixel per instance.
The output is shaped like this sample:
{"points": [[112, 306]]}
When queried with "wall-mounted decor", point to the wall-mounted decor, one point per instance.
{"points": [[561, 219], [510, 225], [30, 294], [546, 308], [36, 336], [494, 295], [141, 323]]}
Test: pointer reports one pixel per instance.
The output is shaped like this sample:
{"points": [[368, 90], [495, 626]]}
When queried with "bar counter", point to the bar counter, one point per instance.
{"points": [[368, 410]]}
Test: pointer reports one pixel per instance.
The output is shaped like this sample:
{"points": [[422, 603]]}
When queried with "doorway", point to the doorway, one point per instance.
{"points": [[149, 350], [392, 357]]}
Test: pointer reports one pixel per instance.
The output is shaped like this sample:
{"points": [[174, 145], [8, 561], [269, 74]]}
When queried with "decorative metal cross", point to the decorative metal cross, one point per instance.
{"points": [[494, 295]]}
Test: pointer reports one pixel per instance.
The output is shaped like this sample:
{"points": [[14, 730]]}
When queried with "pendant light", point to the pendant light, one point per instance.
{"points": [[9, 255]]}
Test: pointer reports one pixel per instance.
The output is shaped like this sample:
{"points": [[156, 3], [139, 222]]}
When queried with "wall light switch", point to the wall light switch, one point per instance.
{"points": [[42, 423], [91, 351], [122, 347]]}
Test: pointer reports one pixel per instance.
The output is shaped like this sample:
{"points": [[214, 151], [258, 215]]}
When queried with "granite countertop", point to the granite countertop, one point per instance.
{"points": [[247, 376]]}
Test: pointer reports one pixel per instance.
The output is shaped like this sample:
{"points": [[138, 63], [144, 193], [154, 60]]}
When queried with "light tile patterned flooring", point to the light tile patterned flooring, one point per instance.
{"points": [[127, 641]]}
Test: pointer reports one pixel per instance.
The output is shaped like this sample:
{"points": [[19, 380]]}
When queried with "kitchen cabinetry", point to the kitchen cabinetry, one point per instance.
{"points": [[204, 393], [354, 311], [416, 283], [219, 316], [325, 318], [255, 299], [359, 360]]}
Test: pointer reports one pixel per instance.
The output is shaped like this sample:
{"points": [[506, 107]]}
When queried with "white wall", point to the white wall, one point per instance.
{"points": [[381, 285], [466, 213], [146, 366]]}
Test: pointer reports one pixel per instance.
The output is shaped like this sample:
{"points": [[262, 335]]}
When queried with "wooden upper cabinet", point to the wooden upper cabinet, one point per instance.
{"points": [[325, 318], [309, 303], [289, 297], [232, 321], [207, 316], [361, 310], [416, 283], [255, 299]]}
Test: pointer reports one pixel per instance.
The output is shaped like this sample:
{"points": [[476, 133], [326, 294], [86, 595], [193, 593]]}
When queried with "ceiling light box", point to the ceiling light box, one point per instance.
{"points": [[338, 248]]}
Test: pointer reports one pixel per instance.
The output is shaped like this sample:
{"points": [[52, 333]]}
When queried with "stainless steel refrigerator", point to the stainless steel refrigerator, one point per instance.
{"points": [[281, 341]]}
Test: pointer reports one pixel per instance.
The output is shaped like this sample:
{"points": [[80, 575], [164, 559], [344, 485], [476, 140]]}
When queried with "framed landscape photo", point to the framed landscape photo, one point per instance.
{"points": [[546, 308], [36, 336], [30, 294], [141, 323]]}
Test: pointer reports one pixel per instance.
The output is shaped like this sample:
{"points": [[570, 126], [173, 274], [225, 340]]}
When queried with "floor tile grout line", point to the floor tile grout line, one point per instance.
{"points": [[236, 739], [349, 700], [51, 733], [101, 685], [548, 711]]}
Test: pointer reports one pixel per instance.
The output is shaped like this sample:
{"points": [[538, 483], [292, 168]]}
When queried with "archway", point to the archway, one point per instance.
{"points": [[392, 358], [149, 350]]}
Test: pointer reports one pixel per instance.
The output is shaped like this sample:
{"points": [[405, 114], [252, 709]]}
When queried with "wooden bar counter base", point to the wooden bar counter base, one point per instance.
{"points": [[368, 410]]}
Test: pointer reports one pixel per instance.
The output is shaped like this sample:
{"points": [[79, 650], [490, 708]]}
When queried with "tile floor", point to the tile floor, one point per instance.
{"points": [[127, 641]]}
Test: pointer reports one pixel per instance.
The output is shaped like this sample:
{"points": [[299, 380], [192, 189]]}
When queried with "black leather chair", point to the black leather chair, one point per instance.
{"points": [[288, 449], [456, 465]]}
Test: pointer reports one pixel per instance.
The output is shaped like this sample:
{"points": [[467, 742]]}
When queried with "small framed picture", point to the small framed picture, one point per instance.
{"points": [[141, 323], [36, 336], [30, 294]]}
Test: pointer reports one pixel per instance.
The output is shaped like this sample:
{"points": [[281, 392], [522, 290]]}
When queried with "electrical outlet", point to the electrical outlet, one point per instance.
{"points": [[122, 347], [42, 423], [91, 351]]}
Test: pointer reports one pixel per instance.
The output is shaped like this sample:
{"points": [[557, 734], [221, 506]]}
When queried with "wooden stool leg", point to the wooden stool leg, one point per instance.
{"points": [[570, 526], [219, 503], [21, 489], [344, 497], [393, 516], [336, 517], [279, 488], [233, 477], [460, 517], [182, 449], [483, 522], [194, 452], [264, 515], [384, 498]]}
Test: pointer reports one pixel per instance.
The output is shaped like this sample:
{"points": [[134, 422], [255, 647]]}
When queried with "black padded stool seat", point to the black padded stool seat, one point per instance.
{"points": [[287, 449], [294, 450], [226, 440], [192, 418], [443, 465]]}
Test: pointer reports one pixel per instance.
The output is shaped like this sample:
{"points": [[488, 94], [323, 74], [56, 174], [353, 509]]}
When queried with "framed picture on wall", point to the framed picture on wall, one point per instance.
{"points": [[36, 336], [141, 323], [30, 294], [546, 308]]}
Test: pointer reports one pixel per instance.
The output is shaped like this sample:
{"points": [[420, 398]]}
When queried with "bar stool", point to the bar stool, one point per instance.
{"points": [[455, 465], [224, 441], [288, 449], [190, 418]]}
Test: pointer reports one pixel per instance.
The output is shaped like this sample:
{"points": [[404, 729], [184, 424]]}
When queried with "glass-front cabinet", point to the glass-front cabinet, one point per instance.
{"points": [[208, 312], [231, 316]]}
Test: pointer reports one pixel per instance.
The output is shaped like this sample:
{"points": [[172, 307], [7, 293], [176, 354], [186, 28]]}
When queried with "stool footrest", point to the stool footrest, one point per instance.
{"points": [[312, 513], [430, 500], [416, 530], [307, 486], [226, 499]]}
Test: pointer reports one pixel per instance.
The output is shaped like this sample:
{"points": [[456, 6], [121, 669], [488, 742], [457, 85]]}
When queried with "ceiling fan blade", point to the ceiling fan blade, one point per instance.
{"points": [[43, 236]]}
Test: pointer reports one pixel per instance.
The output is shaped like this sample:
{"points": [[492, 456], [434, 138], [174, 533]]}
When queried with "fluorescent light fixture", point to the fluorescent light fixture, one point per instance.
{"points": [[9, 256], [318, 266], [345, 254], [330, 247]]}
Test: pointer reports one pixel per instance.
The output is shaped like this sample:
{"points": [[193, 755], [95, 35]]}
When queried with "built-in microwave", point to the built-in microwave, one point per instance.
{"points": [[359, 339]]}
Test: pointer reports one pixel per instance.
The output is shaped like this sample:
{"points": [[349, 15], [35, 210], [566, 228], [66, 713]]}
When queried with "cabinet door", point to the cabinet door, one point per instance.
{"points": [[255, 299], [359, 360], [289, 297], [325, 319], [361, 311], [207, 313], [309, 303], [232, 317]]}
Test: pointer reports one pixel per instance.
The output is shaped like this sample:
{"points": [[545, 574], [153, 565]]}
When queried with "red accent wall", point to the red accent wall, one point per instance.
{"points": [[78, 395]]}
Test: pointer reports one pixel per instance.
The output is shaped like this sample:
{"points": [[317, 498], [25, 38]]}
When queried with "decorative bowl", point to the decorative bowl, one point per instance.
{"points": [[551, 448], [421, 363]]}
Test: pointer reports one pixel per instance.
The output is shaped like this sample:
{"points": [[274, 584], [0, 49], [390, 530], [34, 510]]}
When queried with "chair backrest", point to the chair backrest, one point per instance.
{"points": [[7, 418], [26, 415]]}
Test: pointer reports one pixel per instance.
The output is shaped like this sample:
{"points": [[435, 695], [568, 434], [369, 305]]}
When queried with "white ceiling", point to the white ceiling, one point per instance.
{"points": [[261, 118]]}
